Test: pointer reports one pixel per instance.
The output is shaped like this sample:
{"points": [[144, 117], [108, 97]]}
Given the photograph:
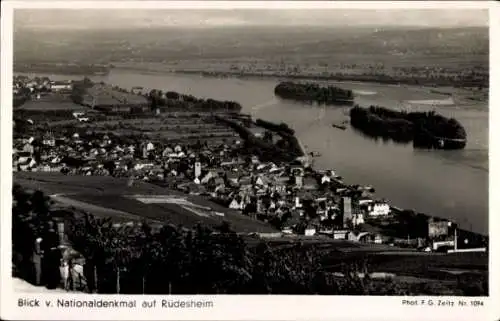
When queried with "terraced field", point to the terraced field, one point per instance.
{"points": [[112, 197], [163, 128], [51, 101], [107, 95]]}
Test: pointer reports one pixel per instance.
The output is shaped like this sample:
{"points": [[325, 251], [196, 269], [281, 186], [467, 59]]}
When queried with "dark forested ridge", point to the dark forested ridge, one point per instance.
{"points": [[312, 92], [425, 129], [282, 127], [79, 90], [286, 149]]}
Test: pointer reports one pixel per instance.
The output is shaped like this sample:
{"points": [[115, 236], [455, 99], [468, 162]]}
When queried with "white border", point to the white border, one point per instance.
{"points": [[247, 307], [133, 4]]}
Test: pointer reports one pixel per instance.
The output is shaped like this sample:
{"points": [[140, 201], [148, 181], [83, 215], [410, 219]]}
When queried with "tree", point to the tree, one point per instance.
{"points": [[110, 166], [88, 236], [87, 82], [24, 232], [172, 95]]}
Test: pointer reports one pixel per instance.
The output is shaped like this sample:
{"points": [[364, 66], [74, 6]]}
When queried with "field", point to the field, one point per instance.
{"points": [[51, 101], [51, 105], [55, 110], [97, 194], [167, 127], [108, 95]]}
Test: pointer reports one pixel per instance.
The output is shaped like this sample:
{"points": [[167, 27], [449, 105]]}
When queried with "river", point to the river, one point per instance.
{"points": [[451, 184]]}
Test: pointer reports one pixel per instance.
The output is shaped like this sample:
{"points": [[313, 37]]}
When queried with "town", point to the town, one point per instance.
{"points": [[199, 156]]}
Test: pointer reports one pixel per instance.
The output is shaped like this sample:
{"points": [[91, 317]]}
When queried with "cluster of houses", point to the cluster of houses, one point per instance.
{"points": [[291, 197], [40, 84]]}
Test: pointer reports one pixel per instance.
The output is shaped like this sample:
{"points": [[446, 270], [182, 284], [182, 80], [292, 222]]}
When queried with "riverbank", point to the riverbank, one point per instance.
{"points": [[459, 96], [381, 79], [474, 238], [62, 69]]}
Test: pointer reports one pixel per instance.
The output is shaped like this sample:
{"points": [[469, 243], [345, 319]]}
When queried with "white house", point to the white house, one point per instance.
{"points": [[197, 169], [262, 166], [167, 151], [60, 86], [143, 165], [29, 163], [447, 243], [379, 209], [28, 148], [340, 234], [208, 177], [49, 142], [56, 160], [310, 231], [262, 181], [299, 181], [235, 205], [363, 201], [275, 169], [23, 159], [298, 204], [357, 219]]}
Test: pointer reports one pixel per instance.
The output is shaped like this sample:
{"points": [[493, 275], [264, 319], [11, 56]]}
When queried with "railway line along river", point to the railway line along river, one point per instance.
{"points": [[451, 184]]}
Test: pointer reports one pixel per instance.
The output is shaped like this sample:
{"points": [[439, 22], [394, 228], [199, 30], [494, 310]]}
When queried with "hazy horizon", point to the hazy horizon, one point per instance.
{"points": [[86, 19]]}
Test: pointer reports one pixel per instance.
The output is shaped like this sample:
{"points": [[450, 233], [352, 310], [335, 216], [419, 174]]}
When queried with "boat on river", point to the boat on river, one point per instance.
{"points": [[339, 126]]}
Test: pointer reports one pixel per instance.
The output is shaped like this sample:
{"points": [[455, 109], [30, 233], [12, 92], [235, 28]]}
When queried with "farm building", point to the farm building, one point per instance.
{"points": [[60, 86]]}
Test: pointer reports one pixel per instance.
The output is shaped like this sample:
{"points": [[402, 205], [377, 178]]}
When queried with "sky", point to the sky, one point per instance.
{"points": [[143, 18]]}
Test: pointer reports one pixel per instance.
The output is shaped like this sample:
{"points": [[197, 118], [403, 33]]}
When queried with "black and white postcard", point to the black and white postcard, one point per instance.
{"points": [[249, 160]]}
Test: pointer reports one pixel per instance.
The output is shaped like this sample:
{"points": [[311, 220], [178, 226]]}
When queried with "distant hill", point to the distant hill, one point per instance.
{"points": [[309, 43]]}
